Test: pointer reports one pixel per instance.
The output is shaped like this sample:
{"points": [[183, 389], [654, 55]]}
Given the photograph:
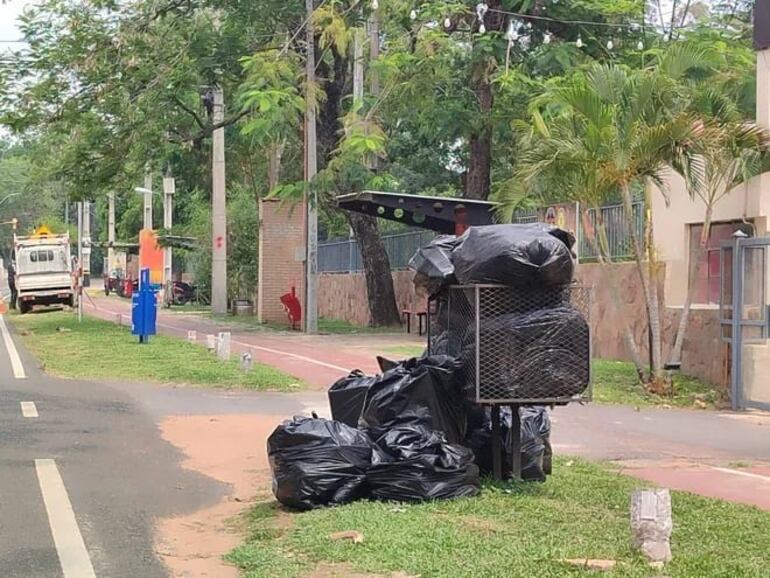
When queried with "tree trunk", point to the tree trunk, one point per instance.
{"points": [[379, 281], [684, 321], [654, 303], [651, 299], [601, 246], [274, 157], [478, 179]]}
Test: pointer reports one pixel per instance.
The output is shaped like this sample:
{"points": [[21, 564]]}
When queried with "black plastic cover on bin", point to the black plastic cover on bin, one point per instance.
{"points": [[541, 354], [318, 462], [524, 256], [535, 441], [420, 391], [346, 397], [424, 467], [433, 266]]}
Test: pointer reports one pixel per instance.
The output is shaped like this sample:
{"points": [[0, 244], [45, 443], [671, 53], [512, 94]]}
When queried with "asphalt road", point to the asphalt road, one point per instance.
{"points": [[81, 483]]}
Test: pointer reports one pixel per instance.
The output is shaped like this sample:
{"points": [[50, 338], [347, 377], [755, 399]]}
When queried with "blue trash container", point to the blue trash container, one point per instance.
{"points": [[144, 309]]}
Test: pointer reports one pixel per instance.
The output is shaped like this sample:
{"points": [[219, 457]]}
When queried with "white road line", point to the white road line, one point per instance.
{"points": [[16, 364], [744, 474], [28, 409], [73, 556]]}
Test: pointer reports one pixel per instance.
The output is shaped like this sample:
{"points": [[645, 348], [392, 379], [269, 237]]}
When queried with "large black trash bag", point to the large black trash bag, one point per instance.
{"points": [[539, 354], [318, 462], [423, 466], [535, 441], [420, 391], [433, 266], [346, 397], [524, 256]]}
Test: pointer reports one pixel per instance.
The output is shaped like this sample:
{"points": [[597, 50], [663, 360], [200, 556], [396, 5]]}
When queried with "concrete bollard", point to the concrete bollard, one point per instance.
{"points": [[246, 362], [211, 342], [192, 336], [223, 346], [652, 524], [119, 318]]}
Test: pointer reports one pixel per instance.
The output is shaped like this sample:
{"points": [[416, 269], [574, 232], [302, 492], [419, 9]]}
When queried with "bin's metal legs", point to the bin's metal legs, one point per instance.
{"points": [[497, 445], [515, 443]]}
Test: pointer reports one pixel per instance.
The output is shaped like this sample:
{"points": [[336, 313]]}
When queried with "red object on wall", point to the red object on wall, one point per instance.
{"points": [[292, 307]]}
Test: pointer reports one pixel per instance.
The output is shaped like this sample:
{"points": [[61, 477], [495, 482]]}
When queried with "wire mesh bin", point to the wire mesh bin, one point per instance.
{"points": [[517, 347]]}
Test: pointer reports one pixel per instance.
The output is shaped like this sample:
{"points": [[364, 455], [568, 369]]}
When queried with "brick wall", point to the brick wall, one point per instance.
{"points": [[281, 250], [343, 296]]}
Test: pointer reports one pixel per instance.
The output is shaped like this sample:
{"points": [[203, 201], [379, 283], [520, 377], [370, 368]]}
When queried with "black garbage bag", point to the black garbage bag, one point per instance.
{"points": [[318, 462], [423, 466], [525, 256], [539, 354], [346, 397], [433, 266], [420, 391], [535, 441]]}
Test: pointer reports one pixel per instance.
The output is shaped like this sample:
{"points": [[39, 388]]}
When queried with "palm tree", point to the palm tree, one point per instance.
{"points": [[612, 132], [729, 152]]}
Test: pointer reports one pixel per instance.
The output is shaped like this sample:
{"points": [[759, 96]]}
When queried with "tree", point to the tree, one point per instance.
{"points": [[615, 131]]}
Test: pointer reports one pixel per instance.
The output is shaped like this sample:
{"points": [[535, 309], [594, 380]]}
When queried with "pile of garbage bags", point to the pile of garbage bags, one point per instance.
{"points": [[407, 435], [530, 342]]}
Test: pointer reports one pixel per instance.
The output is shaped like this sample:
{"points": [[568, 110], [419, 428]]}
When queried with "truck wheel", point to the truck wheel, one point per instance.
{"points": [[24, 308]]}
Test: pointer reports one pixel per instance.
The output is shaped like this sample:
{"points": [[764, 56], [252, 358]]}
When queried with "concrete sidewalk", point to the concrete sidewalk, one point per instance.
{"points": [[722, 455]]}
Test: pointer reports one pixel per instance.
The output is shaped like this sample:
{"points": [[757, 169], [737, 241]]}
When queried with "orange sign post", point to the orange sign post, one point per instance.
{"points": [[151, 255]]}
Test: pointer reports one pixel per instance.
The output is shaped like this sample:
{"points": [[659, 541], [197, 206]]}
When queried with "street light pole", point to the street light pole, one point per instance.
{"points": [[110, 232], [80, 262], [311, 168], [85, 264], [218, 209], [147, 200], [169, 189]]}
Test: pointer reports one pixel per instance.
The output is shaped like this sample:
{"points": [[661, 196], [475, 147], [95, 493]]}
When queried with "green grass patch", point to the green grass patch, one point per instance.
{"points": [[516, 531], [405, 351], [98, 349], [616, 382]]}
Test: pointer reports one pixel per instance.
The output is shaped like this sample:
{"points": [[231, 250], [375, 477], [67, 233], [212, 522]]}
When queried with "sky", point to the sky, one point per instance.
{"points": [[8, 14]]}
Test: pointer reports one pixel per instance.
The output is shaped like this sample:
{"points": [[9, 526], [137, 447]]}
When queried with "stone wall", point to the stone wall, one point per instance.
{"points": [[343, 296]]}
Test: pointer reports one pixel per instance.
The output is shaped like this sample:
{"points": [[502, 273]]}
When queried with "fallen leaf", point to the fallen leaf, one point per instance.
{"points": [[352, 535]]}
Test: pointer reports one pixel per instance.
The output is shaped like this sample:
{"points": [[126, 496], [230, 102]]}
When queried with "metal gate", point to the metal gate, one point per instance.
{"points": [[744, 319]]}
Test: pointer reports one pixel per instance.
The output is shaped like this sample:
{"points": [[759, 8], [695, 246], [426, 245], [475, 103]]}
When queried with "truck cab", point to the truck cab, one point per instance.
{"points": [[43, 270]]}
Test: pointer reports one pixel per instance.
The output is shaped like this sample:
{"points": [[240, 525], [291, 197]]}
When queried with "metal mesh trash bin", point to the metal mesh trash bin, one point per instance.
{"points": [[518, 347]]}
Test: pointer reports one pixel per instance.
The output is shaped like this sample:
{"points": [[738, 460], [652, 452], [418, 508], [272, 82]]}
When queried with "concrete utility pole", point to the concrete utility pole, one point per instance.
{"points": [[311, 168], [147, 200], [80, 261], [218, 210], [169, 189], [85, 264], [110, 231], [358, 67]]}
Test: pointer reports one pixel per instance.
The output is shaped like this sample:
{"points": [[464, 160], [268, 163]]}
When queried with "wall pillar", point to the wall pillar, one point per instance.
{"points": [[281, 257]]}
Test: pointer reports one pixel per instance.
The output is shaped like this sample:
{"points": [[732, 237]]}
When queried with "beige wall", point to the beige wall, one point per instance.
{"points": [[281, 264]]}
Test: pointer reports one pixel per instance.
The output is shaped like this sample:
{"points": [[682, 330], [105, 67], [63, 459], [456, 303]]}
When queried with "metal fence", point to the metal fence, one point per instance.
{"points": [[344, 256], [610, 222]]}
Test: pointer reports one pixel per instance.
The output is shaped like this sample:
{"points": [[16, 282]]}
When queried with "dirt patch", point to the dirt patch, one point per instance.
{"points": [[229, 448]]}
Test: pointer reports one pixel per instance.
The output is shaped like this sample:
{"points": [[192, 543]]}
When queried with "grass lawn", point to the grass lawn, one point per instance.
{"points": [[616, 382], [522, 530], [101, 350]]}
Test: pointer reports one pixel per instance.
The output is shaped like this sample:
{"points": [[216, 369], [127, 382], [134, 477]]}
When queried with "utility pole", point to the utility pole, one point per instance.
{"points": [[147, 200], [85, 264], [169, 189], [374, 50], [110, 231], [311, 168], [80, 261], [218, 210]]}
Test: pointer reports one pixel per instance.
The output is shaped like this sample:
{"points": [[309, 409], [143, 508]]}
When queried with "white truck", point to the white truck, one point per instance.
{"points": [[43, 270]]}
